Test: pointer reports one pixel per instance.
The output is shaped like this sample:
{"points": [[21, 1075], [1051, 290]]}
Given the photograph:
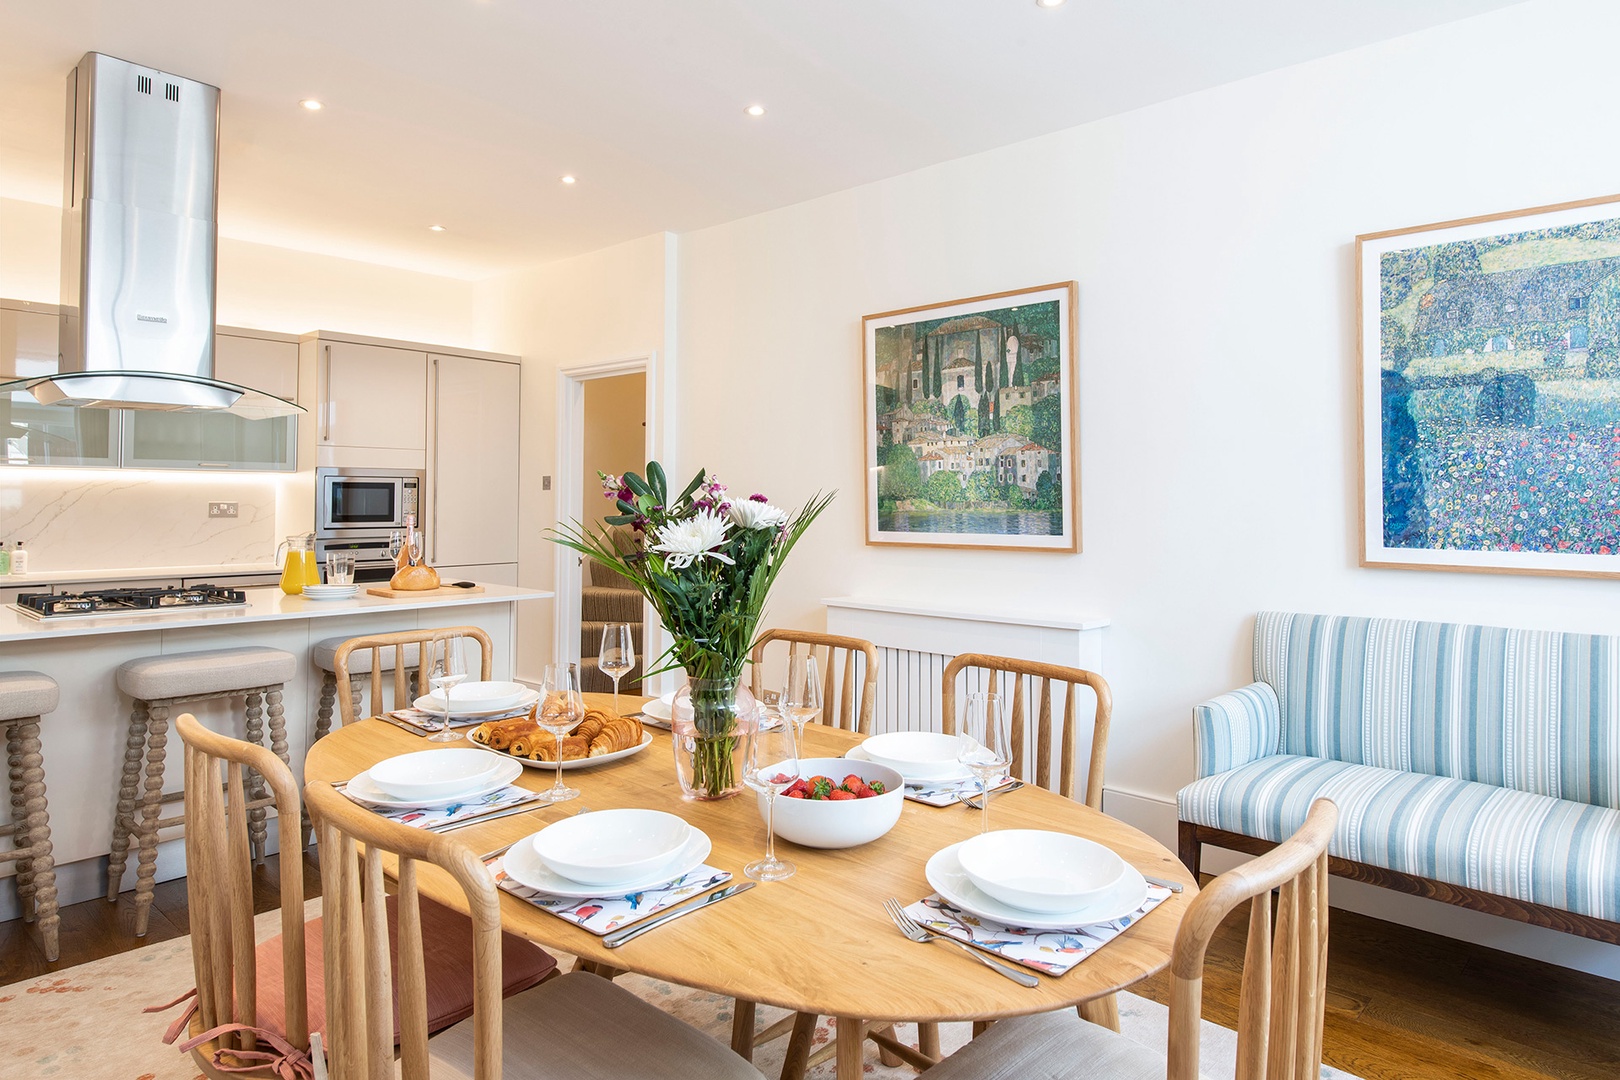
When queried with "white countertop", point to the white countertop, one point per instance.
{"points": [[264, 605]]}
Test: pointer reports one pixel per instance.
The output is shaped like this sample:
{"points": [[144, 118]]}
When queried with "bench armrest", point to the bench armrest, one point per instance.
{"points": [[1237, 728]]}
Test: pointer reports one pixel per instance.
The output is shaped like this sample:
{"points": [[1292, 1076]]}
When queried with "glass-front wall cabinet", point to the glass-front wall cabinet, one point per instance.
{"points": [[34, 434]]}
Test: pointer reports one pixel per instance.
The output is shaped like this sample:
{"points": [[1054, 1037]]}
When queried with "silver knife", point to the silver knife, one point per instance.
{"points": [[520, 808], [685, 907], [1165, 883]]}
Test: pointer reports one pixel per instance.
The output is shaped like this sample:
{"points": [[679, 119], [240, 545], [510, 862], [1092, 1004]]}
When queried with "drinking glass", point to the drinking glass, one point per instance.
{"points": [[770, 766], [561, 709], [985, 748], [396, 544], [447, 667], [617, 657], [340, 568], [801, 690]]}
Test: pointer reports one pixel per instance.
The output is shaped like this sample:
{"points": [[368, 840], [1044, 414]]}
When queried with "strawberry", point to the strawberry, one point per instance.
{"points": [[840, 795], [866, 793], [800, 786], [821, 788], [878, 787], [854, 782], [795, 793]]}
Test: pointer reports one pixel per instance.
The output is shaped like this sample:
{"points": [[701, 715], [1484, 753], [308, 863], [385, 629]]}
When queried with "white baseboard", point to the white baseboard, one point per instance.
{"points": [[1157, 817]]}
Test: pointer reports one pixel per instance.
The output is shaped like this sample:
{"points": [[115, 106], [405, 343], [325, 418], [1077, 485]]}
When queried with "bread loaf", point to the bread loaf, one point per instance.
{"points": [[419, 578]]}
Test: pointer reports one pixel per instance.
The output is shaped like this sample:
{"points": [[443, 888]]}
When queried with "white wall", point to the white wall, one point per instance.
{"points": [[1212, 237], [609, 305]]}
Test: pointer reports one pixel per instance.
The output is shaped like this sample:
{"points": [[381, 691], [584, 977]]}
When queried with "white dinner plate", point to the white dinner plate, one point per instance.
{"points": [[946, 876], [331, 592], [523, 865], [661, 708], [587, 762], [431, 704], [961, 772], [482, 695], [363, 789]]}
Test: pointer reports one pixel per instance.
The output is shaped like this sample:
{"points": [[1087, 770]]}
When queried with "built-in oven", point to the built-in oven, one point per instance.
{"points": [[363, 510]]}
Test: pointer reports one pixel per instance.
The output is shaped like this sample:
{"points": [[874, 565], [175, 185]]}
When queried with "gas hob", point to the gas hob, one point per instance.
{"points": [[55, 606]]}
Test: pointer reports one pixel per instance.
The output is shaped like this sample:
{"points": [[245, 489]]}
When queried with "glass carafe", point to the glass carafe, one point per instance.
{"points": [[297, 557]]}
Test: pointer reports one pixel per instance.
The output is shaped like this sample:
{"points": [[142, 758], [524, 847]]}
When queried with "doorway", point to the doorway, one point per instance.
{"points": [[609, 419]]}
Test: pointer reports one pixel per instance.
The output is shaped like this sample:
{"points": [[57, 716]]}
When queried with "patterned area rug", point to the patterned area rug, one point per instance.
{"points": [[85, 1023]]}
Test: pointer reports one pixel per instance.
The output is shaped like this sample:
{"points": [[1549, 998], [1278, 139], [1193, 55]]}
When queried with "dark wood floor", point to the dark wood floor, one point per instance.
{"points": [[1402, 1004]]}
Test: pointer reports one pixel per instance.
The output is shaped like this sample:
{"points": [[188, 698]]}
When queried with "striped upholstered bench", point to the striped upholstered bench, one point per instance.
{"points": [[1470, 764]]}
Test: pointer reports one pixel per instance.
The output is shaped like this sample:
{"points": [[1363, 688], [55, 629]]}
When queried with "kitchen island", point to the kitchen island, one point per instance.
{"points": [[83, 739]]}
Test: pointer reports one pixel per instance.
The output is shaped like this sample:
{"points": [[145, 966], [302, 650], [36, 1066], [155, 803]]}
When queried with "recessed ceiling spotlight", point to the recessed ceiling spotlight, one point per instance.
{"points": [[435, 228], [755, 110], [1048, 3], [569, 179], [311, 104]]}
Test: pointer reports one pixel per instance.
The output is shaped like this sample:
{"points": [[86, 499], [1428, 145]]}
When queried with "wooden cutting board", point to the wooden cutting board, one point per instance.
{"points": [[420, 594]]}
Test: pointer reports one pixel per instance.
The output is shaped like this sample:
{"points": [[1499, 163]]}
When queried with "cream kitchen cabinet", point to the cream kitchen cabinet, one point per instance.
{"points": [[35, 434], [472, 476], [371, 407], [173, 440]]}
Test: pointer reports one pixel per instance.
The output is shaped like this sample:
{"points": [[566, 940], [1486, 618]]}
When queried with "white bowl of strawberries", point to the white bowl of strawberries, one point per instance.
{"points": [[838, 803]]}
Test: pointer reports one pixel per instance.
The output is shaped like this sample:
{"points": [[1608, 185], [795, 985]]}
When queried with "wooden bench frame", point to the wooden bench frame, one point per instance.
{"points": [[1192, 837]]}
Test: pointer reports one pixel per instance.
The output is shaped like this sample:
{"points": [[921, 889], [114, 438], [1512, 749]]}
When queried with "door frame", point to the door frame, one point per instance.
{"points": [[570, 496]]}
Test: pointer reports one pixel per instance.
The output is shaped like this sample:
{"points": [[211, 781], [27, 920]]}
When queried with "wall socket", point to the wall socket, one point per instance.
{"points": [[221, 509]]}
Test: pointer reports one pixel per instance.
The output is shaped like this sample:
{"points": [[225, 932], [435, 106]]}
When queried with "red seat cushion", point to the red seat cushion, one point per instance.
{"points": [[447, 955]]}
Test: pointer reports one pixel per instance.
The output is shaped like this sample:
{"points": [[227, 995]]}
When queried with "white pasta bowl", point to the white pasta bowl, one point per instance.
{"points": [[916, 755], [611, 847], [481, 696], [435, 774], [1036, 870], [821, 823]]}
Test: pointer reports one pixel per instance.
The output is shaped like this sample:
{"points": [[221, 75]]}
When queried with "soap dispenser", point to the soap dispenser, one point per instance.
{"points": [[19, 559]]}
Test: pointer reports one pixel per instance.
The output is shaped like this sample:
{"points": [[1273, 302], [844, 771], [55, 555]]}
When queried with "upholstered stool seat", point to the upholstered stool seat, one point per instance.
{"points": [[25, 696], [156, 683], [324, 655]]}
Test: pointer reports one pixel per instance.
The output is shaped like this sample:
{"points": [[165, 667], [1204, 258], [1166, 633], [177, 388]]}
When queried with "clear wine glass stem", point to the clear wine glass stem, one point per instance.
{"points": [[616, 695], [558, 786], [770, 826], [984, 801]]}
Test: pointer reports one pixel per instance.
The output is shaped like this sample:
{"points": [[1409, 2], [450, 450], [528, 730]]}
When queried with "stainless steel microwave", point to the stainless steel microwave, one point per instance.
{"points": [[360, 502]]}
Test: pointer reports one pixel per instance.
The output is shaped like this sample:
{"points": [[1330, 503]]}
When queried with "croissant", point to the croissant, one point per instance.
{"points": [[504, 731]]}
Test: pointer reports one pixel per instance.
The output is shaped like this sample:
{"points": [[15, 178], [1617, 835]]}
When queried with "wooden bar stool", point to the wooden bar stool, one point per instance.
{"points": [[25, 696], [157, 683], [324, 656]]}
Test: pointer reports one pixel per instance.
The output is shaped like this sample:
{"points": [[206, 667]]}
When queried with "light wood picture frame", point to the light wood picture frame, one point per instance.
{"points": [[972, 422], [1490, 392]]}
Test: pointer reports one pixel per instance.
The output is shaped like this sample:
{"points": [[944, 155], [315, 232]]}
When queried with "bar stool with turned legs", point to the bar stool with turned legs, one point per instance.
{"points": [[157, 683], [25, 696]]}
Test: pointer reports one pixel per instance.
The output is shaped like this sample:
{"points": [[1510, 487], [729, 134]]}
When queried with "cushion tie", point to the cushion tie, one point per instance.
{"points": [[287, 1061]]}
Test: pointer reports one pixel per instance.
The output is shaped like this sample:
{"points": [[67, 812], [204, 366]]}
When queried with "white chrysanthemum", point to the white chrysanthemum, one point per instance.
{"points": [[750, 514], [692, 540]]}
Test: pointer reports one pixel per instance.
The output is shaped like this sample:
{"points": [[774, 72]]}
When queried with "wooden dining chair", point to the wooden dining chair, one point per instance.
{"points": [[575, 1026], [1059, 775], [841, 705], [259, 1004], [1280, 1007], [348, 690]]}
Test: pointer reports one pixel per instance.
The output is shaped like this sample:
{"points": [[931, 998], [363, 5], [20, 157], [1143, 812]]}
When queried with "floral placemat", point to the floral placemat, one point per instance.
{"points": [[948, 792], [433, 820], [1051, 952], [423, 722], [604, 914]]}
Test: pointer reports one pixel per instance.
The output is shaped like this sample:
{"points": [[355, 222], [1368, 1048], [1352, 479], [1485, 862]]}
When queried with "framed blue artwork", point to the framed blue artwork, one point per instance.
{"points": [[1490, 392]]}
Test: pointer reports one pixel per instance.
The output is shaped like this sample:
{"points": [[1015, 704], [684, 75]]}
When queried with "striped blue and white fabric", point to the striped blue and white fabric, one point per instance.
{"points": [[1473, 755], [1517, 844]]}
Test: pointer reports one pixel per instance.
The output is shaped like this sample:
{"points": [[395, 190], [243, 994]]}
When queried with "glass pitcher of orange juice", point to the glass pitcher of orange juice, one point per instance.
{"points": [[298, 566]]}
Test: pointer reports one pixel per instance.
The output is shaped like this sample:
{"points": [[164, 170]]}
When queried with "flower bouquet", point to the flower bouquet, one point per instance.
{"points": [[706, 562]]}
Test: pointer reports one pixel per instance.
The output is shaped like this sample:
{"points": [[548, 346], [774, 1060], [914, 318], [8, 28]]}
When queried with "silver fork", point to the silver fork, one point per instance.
{"points": [[967, 800], [917, 932]]}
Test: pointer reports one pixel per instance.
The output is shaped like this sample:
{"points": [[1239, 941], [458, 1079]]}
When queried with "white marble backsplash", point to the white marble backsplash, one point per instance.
{"points": [[71, 520]]}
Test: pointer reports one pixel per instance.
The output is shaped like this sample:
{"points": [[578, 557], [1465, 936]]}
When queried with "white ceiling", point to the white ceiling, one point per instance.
{"points": [[466, 112]]}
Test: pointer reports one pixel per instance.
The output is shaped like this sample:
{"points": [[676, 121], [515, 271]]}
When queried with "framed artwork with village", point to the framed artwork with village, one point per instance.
{"points": [[971, 429], [1490, 392]]}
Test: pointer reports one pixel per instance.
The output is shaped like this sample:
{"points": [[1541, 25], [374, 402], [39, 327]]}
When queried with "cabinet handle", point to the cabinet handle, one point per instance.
{"points": [[213, 464], [433, 472], [325, 400]]}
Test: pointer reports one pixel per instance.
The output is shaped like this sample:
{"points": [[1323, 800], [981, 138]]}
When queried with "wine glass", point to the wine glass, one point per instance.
{"points": [[447, 668], [984, 745], [770, 766], [396, 543], [561, 708], [617, 657], [801, 690]]}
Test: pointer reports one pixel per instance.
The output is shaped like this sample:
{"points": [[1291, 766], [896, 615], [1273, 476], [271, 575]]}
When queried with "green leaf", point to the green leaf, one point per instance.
{"points": [[619, 519], [656, 480], [637, 485], [697, 482]]}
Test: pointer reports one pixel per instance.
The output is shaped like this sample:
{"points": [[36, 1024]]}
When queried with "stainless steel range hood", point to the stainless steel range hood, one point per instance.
{"points": [[139, 232]]}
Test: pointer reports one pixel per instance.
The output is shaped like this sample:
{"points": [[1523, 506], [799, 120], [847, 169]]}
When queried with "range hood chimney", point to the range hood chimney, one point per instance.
{"points": [[139, 232]]}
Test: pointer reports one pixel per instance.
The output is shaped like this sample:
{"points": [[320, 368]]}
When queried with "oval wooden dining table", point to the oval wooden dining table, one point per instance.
{"points": [[818, 942]]}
